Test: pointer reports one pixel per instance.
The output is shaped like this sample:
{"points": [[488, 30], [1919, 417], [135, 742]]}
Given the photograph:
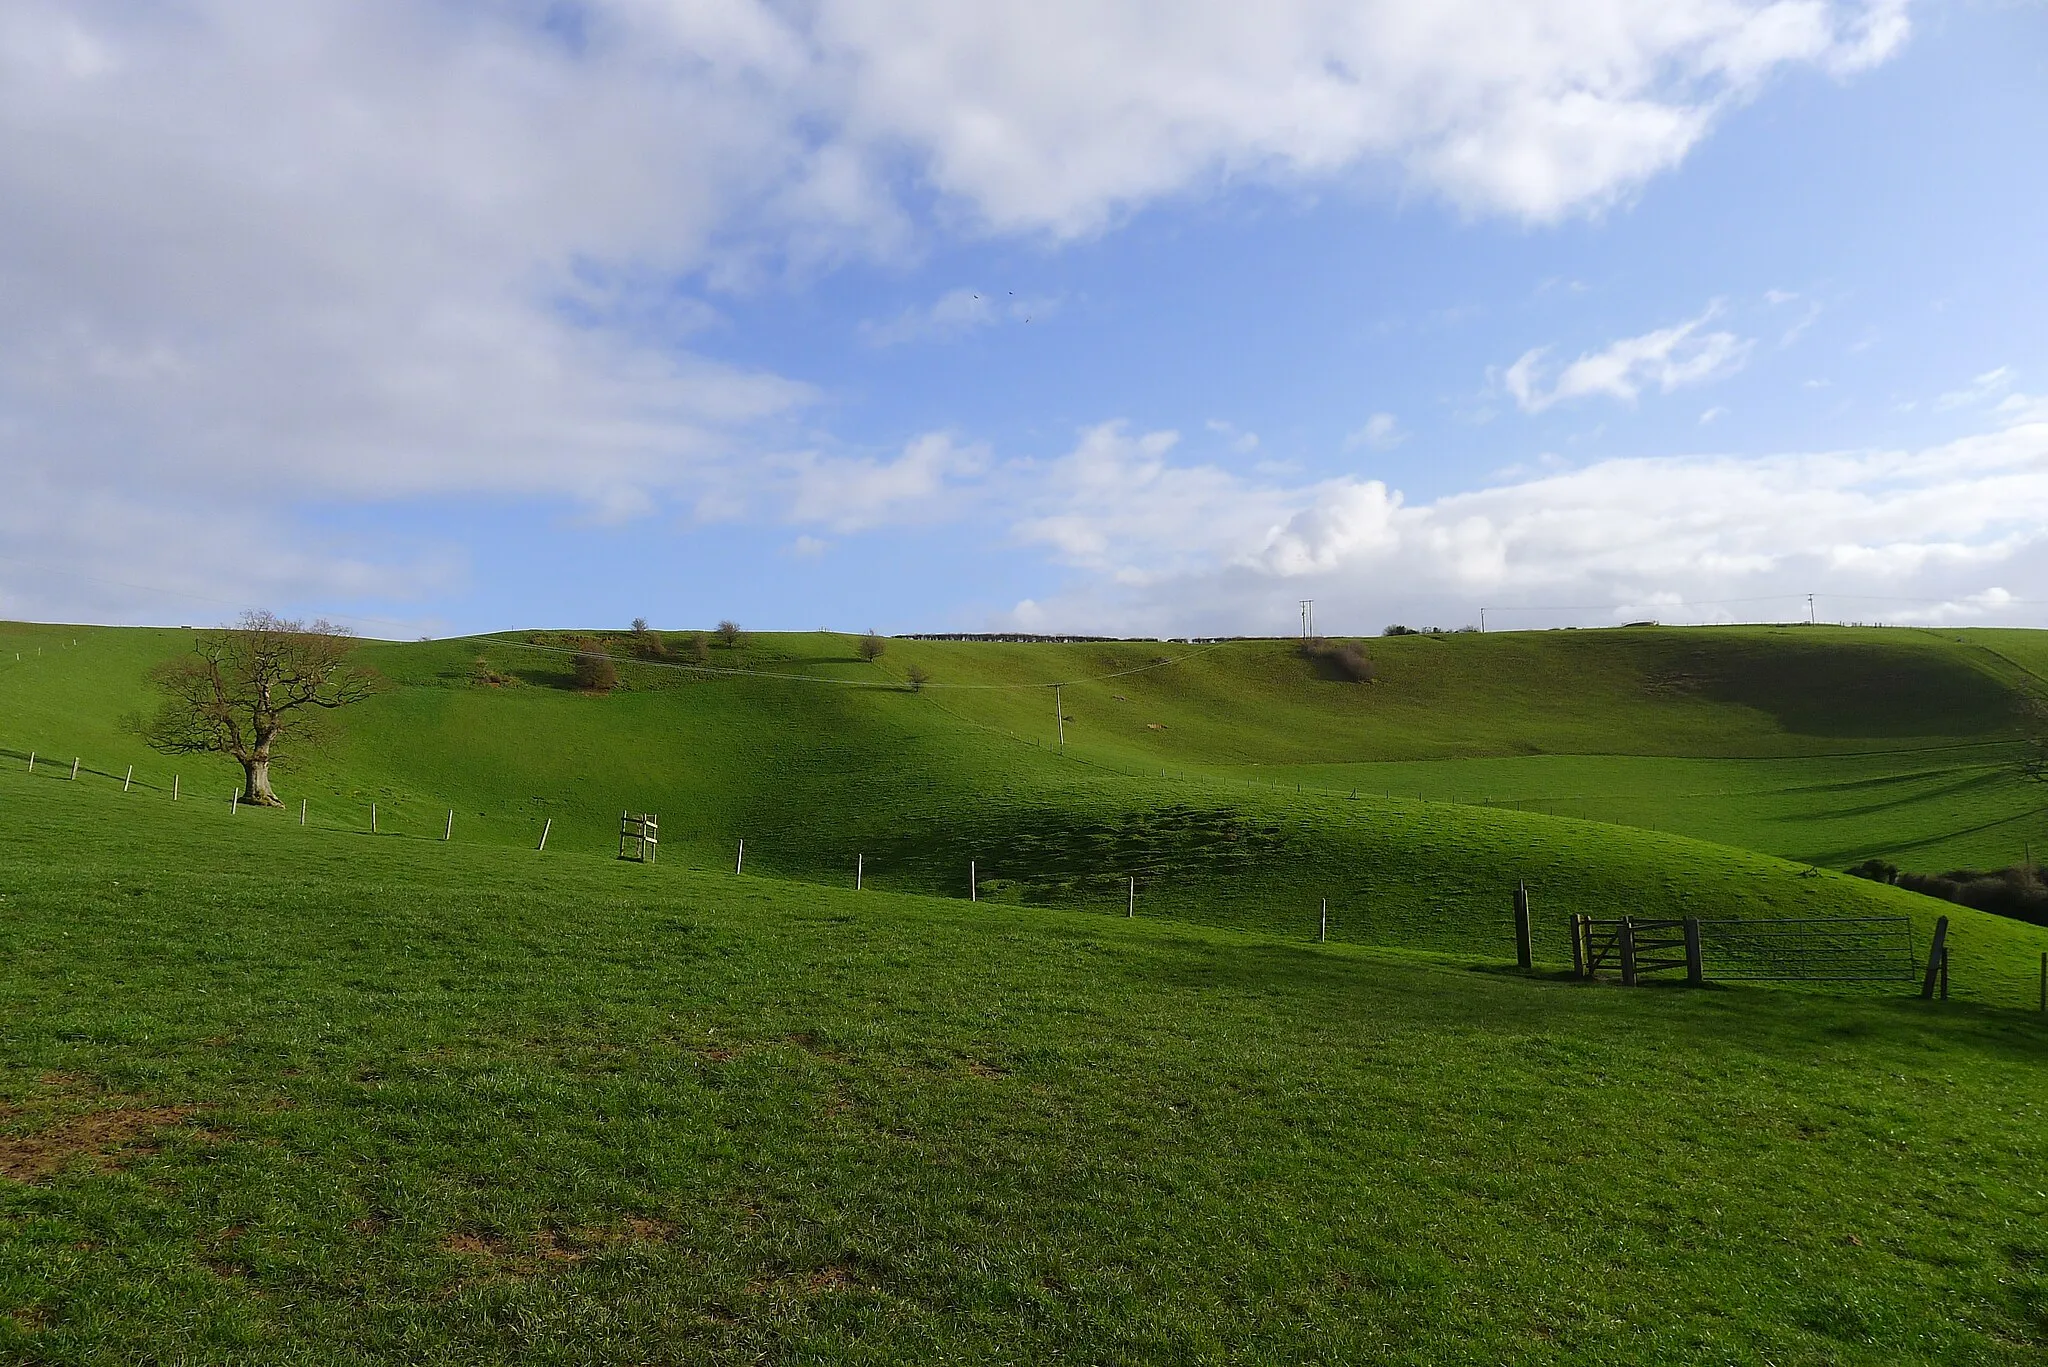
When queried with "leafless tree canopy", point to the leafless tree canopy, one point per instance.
{"points": [[243, 690], [729, 632]]}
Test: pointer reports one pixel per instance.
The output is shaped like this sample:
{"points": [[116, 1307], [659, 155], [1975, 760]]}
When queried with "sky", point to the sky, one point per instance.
{"points": [[1028, 315]]}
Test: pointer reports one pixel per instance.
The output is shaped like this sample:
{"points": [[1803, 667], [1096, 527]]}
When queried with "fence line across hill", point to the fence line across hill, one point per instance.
{"points": [[1833, 950]]}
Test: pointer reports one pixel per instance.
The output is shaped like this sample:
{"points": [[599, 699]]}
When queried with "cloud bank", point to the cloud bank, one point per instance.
{"points": [[1933, 535], [260, 259]]}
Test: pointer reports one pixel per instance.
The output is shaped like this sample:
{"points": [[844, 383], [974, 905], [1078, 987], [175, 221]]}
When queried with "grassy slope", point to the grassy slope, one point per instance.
{"points": [[465, 1103], [812, 775]]}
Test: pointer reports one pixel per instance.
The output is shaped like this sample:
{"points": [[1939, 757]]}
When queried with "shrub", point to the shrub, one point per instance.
{"points": [[729, 633], [700, 647], [2015, 892], [1876, 870], [1398, 630], [870, 647], [594, 670], [639, 626], [1345, 661], [484, 675]]}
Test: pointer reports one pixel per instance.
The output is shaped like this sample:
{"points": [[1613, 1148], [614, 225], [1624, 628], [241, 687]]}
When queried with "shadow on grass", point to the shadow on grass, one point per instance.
{"points": [[1377, 990]]}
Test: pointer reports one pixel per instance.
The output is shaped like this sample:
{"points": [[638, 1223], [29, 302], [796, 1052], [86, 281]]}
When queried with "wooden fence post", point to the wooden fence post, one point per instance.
{"points": [[128, 778], [549, 825], [174, 787], [1525, 953], [860, 868], [1579, 945], [74, 771], [373, 818], [973, 883], [1628, 951], [302, 811], [740, 860], [1323, 926], [448, 831], [1695, 969], [1131, 909], [1937, 952]]}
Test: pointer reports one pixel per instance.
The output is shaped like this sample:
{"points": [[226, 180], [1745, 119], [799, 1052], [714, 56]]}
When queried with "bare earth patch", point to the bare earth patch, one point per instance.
{"points": [[547, 1248], [99, 1135]]}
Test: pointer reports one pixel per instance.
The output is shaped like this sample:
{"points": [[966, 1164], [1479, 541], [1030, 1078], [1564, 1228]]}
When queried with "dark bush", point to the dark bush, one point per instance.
{"points": [[1876, 870], [2015, 892], [1399, 630], [594, 670], [1343, 661]]}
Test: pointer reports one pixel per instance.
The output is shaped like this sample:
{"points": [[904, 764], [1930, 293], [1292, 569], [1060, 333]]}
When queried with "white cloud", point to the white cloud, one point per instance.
{"points": [[954, 314], [1669, 358], [1184, 550], [1982, 389], [852, 494], [1240, 441], [263, 257], [1713, 415], [1381, 432]]}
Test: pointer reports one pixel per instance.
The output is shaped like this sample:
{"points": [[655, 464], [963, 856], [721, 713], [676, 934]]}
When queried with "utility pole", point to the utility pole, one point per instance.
{"points": [[1308, 618], [1482, 619], [1809, 611]]}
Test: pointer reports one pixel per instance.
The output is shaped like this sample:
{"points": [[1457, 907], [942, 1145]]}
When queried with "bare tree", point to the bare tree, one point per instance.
{"points": [[870, 647], [245, 689], [729, 632], [918, 678]]}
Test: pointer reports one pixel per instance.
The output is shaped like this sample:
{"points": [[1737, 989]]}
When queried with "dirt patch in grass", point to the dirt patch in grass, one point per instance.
{"points": [[102, 1136], [817, 1281], [550, 1248]]}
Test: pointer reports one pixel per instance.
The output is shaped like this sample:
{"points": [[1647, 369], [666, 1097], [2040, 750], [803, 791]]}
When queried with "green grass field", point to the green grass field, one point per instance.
{"points": [[278, 1094]]}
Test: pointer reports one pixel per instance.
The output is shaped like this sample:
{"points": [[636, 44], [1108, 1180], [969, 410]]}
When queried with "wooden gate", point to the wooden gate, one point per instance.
{"points": [[639, 836]]}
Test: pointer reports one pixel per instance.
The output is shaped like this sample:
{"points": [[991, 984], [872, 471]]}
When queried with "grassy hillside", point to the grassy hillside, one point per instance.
{"points": [[805, 758], [273, 1095]]}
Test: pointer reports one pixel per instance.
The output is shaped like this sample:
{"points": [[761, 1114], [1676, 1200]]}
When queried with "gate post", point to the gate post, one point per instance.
{"points": [[1937, 954], [1579, 946], [1695, 971], [1524, 952], [1628, 952]]}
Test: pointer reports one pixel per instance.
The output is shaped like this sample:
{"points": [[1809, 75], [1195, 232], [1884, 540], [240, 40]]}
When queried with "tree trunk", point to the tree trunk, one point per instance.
{"points": [[257, 790]]}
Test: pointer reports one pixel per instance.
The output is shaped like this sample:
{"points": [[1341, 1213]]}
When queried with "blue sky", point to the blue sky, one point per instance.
{"points": [[444, 318]]}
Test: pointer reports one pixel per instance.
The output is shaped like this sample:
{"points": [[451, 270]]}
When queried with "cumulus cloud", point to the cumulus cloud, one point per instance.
{"points": [[1381, 432], [1669, 358], [1931, 534], [257, 258], [852, 494]]}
